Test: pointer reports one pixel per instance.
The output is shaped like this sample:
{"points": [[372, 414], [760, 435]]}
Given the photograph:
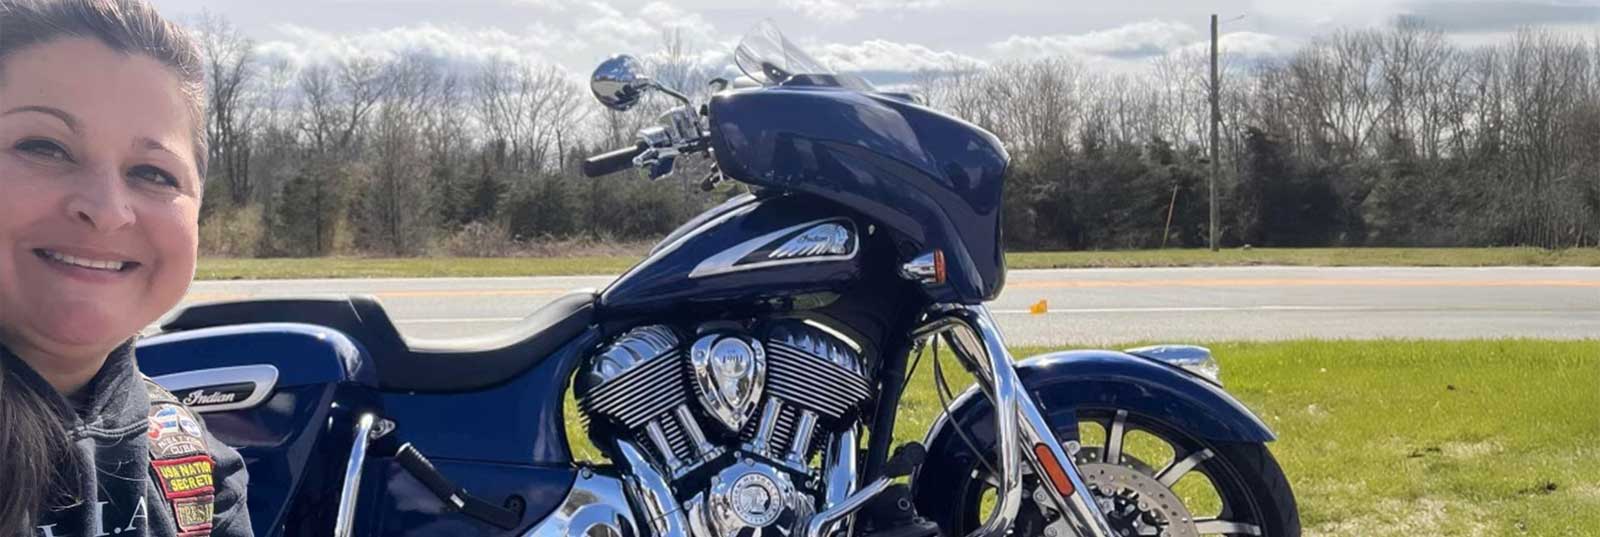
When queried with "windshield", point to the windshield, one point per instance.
{"points": [[766, 56]]}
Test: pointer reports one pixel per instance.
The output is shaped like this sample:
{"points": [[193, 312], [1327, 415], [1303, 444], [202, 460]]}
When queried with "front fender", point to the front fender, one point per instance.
{"points": [[1061, 382]]}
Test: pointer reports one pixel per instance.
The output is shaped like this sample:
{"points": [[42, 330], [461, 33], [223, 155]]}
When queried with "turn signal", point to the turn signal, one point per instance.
{"points": [[927, 269], [1052, 469]]}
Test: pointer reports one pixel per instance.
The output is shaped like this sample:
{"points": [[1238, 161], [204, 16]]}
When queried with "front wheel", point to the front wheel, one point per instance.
{"points": [[1148, 477]]}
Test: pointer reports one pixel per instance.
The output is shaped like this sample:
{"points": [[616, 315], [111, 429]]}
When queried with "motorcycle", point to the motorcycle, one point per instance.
{"points": [[744, 378]]}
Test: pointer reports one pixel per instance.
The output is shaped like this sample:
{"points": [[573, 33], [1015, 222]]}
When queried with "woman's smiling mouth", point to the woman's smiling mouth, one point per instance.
{"points": [[85, 262]]}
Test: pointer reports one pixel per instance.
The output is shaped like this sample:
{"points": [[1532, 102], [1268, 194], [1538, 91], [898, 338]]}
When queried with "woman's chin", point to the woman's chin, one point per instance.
{"points": [[81, 327]]}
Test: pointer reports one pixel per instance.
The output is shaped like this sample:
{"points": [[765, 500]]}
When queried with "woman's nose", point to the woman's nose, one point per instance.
{"points": [[100, 202]]}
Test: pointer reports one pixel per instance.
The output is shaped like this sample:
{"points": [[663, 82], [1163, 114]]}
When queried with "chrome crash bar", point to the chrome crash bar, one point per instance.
{"points": [[1022, 432]]}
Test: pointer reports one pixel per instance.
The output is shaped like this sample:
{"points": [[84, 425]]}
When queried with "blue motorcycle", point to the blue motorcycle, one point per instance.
{"points": [[743, 379]]}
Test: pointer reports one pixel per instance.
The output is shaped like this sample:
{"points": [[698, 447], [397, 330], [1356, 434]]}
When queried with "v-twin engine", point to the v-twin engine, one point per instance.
{"points": [[733, 419]]}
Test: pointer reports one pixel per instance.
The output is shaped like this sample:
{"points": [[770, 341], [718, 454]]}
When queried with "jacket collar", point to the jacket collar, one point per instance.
{"points": [[113, 397]]}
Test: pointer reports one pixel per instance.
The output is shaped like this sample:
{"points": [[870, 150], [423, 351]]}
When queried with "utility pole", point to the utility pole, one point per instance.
{"points": [[1216, 117]]}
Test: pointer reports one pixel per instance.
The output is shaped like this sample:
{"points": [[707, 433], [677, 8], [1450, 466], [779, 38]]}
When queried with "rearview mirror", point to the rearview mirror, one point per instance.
{"points": [[618, 83]]}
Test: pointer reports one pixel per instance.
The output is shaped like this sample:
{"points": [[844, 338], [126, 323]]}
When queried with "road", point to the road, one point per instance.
{"points": [[1105, 306]]}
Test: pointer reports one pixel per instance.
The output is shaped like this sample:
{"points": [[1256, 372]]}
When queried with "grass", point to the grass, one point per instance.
{"points": [[1401, 438], [213, 268]]}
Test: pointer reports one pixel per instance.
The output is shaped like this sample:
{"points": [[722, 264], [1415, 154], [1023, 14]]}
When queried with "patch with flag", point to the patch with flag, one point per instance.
{"points": [[180, 462]]}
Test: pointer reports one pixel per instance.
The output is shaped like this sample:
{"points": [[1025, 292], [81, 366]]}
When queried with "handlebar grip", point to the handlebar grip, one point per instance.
{"points": [[612, 162]]}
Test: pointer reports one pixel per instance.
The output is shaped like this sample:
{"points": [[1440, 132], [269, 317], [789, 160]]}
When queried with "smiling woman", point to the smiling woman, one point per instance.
{"points": [[102, 160]]}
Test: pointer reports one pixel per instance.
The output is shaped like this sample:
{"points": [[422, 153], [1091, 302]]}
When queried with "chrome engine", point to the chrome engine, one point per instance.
{"points": [[732, 420]]}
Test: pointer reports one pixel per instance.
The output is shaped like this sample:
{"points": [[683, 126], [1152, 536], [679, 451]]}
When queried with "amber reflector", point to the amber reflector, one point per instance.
{"points": [[938, 267], [1052, 468]]}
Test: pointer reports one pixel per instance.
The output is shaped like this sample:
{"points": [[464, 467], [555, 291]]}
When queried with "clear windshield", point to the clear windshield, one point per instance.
{"points": [[766, 56]]}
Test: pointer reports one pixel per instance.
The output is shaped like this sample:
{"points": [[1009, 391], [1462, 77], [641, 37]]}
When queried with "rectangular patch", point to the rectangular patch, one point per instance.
{"points": [[194, 514], [189, 476]]}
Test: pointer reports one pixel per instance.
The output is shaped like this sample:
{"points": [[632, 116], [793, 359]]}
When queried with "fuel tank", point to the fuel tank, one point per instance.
{"points": [[747, 249]]}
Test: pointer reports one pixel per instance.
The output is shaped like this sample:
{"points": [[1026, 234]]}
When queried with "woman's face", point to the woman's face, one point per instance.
{"points": [[99, 196]]}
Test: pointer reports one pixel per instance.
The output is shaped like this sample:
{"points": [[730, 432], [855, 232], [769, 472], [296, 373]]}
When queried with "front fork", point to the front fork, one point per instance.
{"points": [[1021, 432]]}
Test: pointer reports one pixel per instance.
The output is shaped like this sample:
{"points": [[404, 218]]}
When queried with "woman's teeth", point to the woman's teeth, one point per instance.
{"points": [[110, 266]]}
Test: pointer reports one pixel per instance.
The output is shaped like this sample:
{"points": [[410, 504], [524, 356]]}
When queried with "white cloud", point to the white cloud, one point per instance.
{"points": [[849, 10], [881, 55], [1131, 41], [1245, 46], [463, 48]]}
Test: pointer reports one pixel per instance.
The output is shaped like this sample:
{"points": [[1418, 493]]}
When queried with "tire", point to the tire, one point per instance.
{"points": [[1247, 483]]}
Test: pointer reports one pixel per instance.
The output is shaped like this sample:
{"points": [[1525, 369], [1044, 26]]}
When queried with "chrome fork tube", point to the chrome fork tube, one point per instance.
{"points": [[1020, 426], [652, 494]]}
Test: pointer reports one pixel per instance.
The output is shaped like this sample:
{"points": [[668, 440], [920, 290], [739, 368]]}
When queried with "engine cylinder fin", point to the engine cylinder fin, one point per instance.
{"points": [[810, 364]]}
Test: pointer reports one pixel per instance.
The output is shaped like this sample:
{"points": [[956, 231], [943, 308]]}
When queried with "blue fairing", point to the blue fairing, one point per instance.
{"points": [[933, 179]]}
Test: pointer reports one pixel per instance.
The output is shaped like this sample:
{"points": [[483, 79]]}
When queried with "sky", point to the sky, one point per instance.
{"points": [[884, 37]]}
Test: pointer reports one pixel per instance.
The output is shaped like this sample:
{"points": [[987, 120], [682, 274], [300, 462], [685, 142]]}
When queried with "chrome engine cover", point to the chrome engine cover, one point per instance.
{"points": [[729, 422], [746, 499], [766, 392]]}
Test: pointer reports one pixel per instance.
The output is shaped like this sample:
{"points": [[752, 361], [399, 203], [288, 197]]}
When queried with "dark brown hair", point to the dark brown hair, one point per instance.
{"points": [[127, 26], [33, 441]]}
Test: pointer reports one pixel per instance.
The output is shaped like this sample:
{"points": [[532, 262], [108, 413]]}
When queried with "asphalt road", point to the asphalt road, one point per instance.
{"points": [[1105, 306]]}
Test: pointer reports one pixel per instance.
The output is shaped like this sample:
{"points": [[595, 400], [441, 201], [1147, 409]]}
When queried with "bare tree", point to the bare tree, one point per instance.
{"points": [[230, 73]]}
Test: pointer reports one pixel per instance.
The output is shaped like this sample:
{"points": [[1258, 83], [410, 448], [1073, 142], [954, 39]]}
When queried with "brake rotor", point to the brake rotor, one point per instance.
{"points": [[1135, 503]]}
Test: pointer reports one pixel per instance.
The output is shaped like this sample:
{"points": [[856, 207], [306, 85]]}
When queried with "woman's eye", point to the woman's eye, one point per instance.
{"points": [[154, 175], [44, 148]]}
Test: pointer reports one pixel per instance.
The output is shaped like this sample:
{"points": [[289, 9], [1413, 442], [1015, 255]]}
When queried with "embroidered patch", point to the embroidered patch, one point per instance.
{"points": [[174, 433], [193, 515], [186, 477]]}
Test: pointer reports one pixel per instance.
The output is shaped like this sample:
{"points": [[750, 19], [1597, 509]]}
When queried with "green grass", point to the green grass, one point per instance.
{"points": [[212, 268], [1402, 438], [1322, 257]]}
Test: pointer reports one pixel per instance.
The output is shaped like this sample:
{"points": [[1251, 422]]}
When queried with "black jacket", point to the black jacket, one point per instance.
{"points": [[115, 490]]}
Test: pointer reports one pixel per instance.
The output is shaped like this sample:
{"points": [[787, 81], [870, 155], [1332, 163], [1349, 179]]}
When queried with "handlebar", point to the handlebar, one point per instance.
{"points": [[612, 162]]}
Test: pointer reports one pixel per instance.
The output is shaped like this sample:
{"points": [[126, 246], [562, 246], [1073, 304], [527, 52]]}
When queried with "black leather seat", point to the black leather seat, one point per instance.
{"points": [[413, 365]]}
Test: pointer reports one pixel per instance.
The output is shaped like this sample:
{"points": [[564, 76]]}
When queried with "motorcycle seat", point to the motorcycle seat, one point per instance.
{"points": [[413, 365]]}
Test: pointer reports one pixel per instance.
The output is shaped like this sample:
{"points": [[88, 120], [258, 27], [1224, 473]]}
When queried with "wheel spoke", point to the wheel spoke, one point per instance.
{"points": [[1176, 471], [1225, 527], [1114, 436]]}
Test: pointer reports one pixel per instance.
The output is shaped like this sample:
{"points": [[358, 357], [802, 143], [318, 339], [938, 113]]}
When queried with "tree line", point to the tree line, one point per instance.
{"points": [[1390, 136]]}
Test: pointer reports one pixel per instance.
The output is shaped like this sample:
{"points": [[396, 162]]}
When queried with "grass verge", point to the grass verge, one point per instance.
{"points": [[1401, 438], [213, 268]]}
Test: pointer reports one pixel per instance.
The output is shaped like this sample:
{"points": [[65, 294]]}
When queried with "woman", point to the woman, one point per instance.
{"points": [[102, 155]]}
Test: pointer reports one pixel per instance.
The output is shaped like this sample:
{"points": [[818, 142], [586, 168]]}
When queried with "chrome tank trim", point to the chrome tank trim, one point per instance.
{"points": [[595, 502], [729, 260], [262, 377]]}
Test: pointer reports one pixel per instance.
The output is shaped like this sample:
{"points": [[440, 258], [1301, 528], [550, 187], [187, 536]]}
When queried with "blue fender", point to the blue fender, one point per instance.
{"points": [[1062, 382]]}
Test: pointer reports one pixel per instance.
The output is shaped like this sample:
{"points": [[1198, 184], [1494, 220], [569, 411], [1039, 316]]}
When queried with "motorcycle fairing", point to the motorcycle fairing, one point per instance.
{"points": [[932, 179]]}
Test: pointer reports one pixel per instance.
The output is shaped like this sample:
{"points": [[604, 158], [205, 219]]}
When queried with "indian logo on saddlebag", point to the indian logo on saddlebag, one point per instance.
{"points": [[201, 397]]}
